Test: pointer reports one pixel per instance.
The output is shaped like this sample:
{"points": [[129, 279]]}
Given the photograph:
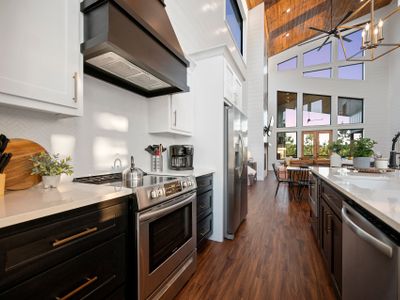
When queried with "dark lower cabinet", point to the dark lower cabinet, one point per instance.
{"points": [[80, 254], [330, 228], [204, 209]]}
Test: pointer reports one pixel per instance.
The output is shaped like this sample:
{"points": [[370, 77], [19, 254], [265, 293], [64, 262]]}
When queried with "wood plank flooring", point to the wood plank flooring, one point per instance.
{"points": [[274, 255]]}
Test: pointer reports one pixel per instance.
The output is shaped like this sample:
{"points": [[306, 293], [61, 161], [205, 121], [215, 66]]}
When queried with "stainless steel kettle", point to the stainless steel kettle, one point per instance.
{"points": [[133, 176]]}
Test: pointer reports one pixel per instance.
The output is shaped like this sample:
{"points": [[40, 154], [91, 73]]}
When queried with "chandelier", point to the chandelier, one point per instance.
{"points": [[372, 33]]}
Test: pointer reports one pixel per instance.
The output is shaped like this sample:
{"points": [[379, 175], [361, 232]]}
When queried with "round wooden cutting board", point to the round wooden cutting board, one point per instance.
{"points": [[18, 171]]}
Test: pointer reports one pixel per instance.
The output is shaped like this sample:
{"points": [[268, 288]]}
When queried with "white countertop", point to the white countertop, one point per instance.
{"points": [[197, 172], [21, 206], [377, 193]]}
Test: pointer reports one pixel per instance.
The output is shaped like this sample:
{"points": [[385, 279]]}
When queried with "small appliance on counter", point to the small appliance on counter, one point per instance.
{"points": [[133, 176], [156, 152], [181, 157]]}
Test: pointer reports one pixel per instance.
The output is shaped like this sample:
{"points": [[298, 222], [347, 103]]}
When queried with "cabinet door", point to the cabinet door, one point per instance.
{"points": [[182, 109], [228, 82], [40, 52], [238, 92], [326, 233], [337, 251]]}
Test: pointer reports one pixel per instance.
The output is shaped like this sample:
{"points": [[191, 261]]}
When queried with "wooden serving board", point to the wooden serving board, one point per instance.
{"points": [[375, 170], [18, 171]]}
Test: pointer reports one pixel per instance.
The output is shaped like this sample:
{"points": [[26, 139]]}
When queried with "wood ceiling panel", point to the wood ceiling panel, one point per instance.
{"points": [[285, 30]]}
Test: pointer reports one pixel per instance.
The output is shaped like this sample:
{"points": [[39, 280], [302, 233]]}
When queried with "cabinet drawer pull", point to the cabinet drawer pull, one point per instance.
{"points": [[74, 237], [88, 282], [75, 77]]}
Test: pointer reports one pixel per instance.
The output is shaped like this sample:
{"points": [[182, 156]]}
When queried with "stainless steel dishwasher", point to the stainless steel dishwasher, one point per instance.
{"points": [[370, 260]]}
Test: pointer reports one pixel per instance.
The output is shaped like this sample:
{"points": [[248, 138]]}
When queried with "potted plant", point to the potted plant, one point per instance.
{"points": [[50, 167], [362, 150], [336, 149]]}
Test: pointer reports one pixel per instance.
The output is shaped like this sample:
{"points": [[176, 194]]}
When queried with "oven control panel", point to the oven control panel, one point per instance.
{"points": [[154, 194], [172, 188]]}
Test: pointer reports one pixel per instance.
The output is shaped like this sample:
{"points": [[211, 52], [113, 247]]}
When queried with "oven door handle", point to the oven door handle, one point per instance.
{"points": [[164, 211]]}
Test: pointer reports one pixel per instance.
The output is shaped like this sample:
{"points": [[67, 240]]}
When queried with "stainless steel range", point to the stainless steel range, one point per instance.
{"points": [[165, 227]]}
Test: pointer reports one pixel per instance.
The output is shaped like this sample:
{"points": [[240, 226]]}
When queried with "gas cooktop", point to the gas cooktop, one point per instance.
{"points": [[151, 190]]}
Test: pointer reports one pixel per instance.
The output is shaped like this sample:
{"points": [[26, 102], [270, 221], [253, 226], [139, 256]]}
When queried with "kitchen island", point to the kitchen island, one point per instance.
{"points": [[377, 193], [356, 221]]}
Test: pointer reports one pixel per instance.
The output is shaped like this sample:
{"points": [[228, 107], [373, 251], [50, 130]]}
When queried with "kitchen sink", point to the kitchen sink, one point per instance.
{"points": [[364, 182]]}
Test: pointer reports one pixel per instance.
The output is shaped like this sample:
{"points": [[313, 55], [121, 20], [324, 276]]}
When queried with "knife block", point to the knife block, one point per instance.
{"points": [[2, 184]]}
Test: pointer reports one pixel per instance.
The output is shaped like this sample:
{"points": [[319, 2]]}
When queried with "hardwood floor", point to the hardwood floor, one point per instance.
{"points": [[274, 255]]}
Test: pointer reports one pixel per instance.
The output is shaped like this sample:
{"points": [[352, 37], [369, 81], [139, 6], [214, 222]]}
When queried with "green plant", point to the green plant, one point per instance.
{"points": [[340, 147], [45, 164], [362, 147]]}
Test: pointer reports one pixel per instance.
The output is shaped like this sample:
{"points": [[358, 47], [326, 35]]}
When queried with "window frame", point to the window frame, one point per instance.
{"points": [[350, 124], [302, 111], [238, 12], [321, 64], [277, 109], [277, 144], [339, 45], [282, 62], [317, 70], [349, 65]]}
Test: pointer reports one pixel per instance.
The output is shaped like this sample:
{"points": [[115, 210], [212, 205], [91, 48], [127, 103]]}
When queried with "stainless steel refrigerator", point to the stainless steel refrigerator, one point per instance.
{"points": [[235, 175]]}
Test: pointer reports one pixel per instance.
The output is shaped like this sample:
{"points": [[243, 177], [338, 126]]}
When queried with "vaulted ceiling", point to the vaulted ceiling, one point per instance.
{"points": [[287, 22]]}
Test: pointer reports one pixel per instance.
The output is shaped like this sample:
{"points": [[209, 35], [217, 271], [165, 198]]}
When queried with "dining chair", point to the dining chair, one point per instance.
{"points": [[301, 179], [279, 178]]}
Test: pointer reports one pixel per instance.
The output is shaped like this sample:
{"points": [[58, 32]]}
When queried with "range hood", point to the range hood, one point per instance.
{"points": [[131, 44]]}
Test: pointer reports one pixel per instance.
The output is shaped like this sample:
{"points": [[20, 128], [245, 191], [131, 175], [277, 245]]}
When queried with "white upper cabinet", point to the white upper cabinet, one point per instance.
{"points": [[233, 90], [40, 59], [172, 113]]}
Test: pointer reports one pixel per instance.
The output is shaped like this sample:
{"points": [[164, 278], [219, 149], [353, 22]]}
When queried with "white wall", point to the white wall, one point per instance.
{"points": [[374, 91], [394, 75], [200, 25], [115, 121], [255, 86]]}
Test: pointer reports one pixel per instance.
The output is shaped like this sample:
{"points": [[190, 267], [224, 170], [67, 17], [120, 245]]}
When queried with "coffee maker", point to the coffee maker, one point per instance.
{"points": [[181, 157]]}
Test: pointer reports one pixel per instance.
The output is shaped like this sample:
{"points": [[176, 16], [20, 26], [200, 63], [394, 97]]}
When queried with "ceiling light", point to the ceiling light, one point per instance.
{"points": [[287, 34], [372, 35], [288, 10]]}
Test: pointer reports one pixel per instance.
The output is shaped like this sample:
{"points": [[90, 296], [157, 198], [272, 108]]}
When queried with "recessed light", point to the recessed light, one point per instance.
{"points": [[288, 10], [287, 34]]}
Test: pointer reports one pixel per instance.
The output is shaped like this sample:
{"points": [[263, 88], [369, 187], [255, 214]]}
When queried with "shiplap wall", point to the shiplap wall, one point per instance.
{"points": [[255, 87]]}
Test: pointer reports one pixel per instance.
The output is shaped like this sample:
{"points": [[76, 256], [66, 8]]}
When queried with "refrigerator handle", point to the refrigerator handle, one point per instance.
{"points": [[378, 244]]}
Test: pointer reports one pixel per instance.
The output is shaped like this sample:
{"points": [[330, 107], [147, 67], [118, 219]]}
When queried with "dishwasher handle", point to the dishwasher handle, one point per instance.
{"points": [[378, 244]]}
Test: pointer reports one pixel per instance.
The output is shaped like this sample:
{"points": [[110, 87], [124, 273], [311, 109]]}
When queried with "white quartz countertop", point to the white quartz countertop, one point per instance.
{"points": [[197, 172], [21, 206], [377, 193]]}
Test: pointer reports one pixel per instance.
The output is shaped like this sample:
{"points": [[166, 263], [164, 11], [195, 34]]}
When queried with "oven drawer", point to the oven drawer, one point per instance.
{"points": [[30, 252], [95, 274], [204, 183], [204, 204], [204, 229]]}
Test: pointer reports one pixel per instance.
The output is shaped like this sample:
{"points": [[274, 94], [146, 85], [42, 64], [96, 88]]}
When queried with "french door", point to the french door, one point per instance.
{"points": [[314, 144]]}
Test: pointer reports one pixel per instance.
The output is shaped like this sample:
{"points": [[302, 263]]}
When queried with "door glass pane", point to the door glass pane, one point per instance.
{"points": [[169, 233], [324, 139], [318, 56], [287, 104], [286, 145], [316, 110], [308, 144], [350, 110]]}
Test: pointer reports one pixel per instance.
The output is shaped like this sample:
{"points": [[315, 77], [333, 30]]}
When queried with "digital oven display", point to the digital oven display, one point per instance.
{"points": [[172, 188]]}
